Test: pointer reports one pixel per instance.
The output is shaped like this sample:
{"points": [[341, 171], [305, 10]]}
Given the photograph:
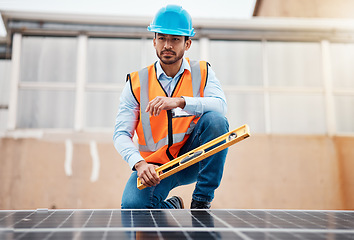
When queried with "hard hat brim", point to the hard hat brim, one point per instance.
{"points": [[177, 32]]}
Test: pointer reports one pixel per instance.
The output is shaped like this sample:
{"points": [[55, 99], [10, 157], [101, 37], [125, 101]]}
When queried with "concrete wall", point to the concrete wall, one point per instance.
{"points": [[263, 171], [305, 8]]}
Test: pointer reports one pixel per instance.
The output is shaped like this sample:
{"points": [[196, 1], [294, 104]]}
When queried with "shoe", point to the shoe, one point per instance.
{"points": [[176, 202], [200, 205]]}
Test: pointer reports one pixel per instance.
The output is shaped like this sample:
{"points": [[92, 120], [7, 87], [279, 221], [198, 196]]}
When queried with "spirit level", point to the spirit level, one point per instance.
{"points": [[200, 153]]}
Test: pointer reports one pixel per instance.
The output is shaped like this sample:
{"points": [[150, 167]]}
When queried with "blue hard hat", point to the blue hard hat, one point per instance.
{"points": [[173, 20]]}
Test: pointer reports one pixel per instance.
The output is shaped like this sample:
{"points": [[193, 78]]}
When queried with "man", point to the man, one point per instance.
{"points": [[174, 105]]}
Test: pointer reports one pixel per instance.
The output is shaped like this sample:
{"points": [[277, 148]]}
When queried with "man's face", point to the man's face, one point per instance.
{"points": [[170, 48]]}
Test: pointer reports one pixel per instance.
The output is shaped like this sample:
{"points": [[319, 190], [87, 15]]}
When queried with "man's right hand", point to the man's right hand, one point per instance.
{"points": [[147, 173]]}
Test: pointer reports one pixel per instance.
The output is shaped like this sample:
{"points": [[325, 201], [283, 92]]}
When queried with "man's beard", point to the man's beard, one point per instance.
{"points": [[170, 59]]}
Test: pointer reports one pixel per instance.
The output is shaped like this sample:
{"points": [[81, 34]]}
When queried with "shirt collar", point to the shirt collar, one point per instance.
{"points": [[184, 66]]}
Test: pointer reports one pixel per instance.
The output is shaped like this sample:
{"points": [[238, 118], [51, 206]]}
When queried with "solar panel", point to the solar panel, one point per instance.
{"points": [[176, 224]]}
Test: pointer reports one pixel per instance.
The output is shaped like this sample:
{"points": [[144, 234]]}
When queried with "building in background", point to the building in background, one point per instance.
{"points": [[304, 9], [290, 79]]}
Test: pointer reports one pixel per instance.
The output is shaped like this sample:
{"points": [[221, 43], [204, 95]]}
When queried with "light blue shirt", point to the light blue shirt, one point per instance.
{"points": [[128, 112]]}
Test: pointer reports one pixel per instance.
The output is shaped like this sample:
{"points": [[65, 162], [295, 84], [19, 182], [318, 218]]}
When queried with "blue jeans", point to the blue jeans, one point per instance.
{"points": [[207, 173]]}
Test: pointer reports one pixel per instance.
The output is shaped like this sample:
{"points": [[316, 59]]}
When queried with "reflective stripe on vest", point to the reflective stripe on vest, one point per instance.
{"points": [[141, 92]]}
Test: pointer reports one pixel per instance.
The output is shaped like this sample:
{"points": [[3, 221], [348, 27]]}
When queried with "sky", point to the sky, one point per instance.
{"points": [[220, 9]]}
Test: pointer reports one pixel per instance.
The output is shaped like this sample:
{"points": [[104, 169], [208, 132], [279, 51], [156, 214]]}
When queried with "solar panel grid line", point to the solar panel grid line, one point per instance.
{"points": [[346, 213], [87, 221], [305, 220], [65, 220], [158, 232], [100, 219], [291, 220], [288, 221], [24, 222], [262, 219], [204, 226], [59, 226], [23, 234], [193, 217], [321, 218], [221, 220], [131, 232], [246, 222], [104, 237], [279, 227], [237, 232], [163, 220], [327, 219], [50, 234], [351, 223], [308, 222], [131, 219], [6, 228], [13, 226], [314, 217], [77, 235], [292, 217], [325, 222], [181, 227], [6, 216]]}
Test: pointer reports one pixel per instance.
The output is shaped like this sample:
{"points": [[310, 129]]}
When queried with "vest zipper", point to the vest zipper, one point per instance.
{"points": [[170, 134], [170, 127]]}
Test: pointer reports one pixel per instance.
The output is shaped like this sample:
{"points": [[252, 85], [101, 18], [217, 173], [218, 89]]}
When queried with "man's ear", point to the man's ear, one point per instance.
{"points": [[188, 44], [154, 42]]}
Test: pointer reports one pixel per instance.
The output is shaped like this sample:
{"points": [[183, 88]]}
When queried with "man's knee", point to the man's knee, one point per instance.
{"points": [[132, 197], [217, 121]]}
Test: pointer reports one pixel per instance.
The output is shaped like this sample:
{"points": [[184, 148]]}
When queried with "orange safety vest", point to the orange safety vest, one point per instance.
{"points": [[161, 137]]}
